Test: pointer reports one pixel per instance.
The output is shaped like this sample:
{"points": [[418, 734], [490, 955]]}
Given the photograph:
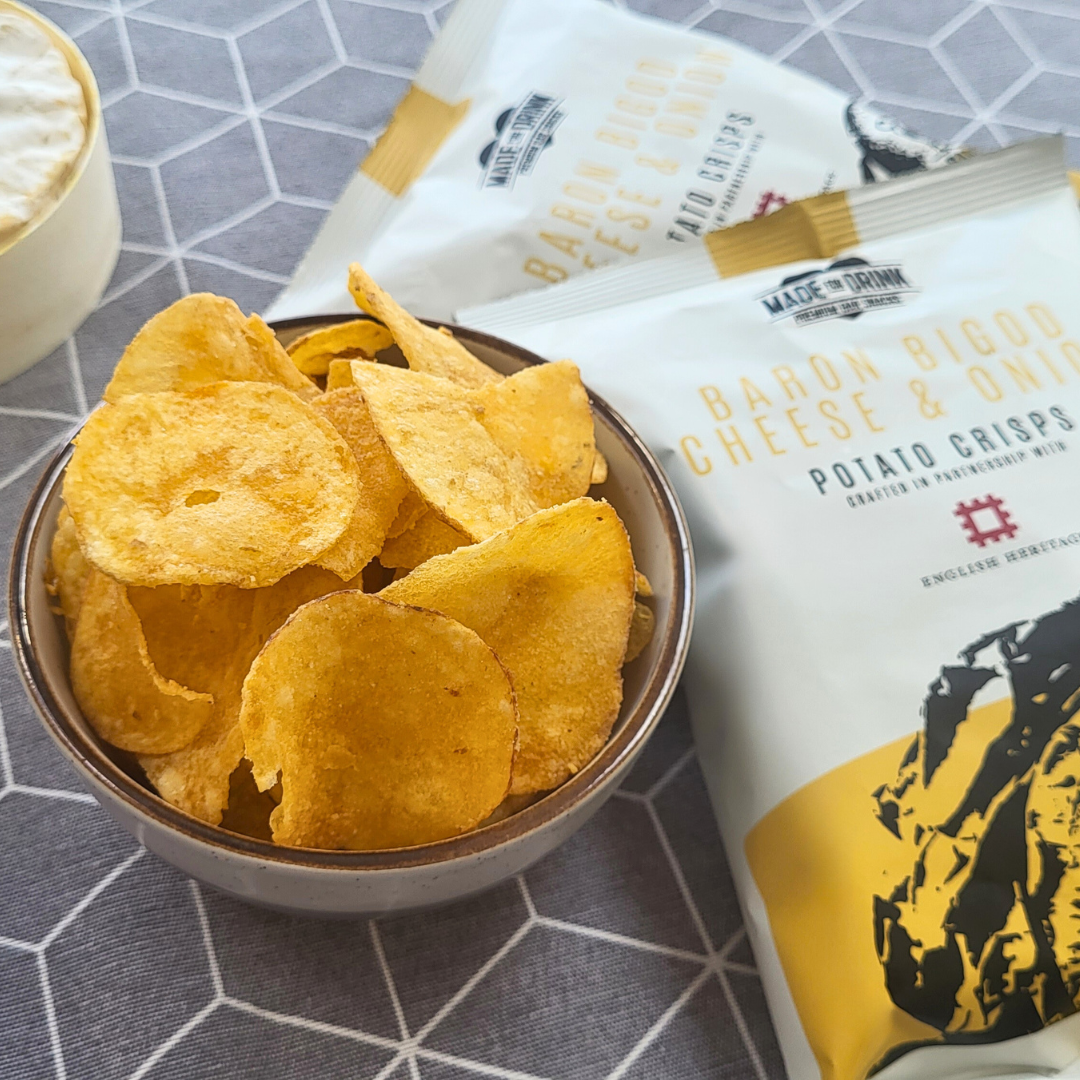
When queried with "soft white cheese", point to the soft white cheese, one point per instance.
{"points": [[42, 121]]}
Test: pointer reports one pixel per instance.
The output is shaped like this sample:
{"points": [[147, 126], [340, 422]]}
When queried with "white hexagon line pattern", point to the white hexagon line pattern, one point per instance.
{"points": [[829, 25], [7, 773], [409, 1046], [38, 949]]}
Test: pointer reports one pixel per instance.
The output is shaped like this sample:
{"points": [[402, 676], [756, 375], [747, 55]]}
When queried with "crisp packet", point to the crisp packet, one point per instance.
{"points": [[874, 427], [540, 140]]}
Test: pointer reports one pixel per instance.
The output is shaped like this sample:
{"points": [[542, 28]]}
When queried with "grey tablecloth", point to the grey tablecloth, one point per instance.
{"points": [[234, 125]]}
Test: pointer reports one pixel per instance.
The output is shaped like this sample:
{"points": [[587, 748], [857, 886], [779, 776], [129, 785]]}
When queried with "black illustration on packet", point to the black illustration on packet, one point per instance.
{"points": [[887, 148], [981, 939]]}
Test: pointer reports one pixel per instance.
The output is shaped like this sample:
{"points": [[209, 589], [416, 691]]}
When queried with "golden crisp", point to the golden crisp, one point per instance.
{"points": [[432, 428], [207, 637], [203, 339], [599, 469], [428, 537], [195, 778], [425, 349], [271, 354], [641, 584], [339, 375], [554, 597], [68, 570], [388, 726], [120, 692], [411, 510], [642, 628], [358, 339], [230, 483], [382, 487], [539, 421], [542, 416], [206, 633]]}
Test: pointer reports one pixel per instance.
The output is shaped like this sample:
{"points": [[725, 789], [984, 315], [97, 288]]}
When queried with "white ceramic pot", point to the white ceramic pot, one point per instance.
{"points": [[343, 883], [54, 270]]}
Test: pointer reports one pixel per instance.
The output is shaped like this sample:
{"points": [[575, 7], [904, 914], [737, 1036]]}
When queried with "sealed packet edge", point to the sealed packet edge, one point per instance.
{"points": [[819, 227], [429, 111], [824, 225]]}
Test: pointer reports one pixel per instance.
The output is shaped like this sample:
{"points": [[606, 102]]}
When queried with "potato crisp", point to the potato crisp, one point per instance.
{"points": [[382, 487], [359, 339], [68, 570], [425, 349], [429, 536], [229, 483], [370, 616], [642, 628], [485, 458], [388, 726], [554, 597], [541, 416], [203, 339], [431, 427], [127, 701]]}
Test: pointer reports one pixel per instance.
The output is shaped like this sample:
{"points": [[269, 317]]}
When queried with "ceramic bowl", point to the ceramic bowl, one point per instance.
{"points": [[343, 883]]}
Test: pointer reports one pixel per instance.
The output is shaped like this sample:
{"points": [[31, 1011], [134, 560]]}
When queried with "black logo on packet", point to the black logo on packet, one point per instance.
{"points": [[522, 134], [844, 289]]}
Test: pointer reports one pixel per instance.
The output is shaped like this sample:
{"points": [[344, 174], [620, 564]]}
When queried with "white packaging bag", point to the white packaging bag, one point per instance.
{"points": [[877, 448], [543, 139]]}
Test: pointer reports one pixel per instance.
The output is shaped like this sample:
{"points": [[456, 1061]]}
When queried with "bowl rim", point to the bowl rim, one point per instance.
{"points": [[636, 728]]}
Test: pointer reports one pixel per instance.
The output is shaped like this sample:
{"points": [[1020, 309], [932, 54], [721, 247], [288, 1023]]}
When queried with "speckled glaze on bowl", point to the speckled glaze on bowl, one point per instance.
{"points": [[345, 883]]}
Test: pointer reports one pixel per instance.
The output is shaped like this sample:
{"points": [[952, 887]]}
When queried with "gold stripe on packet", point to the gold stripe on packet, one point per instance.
{"points": [[815, 228], [824, 225], [419, 126]]}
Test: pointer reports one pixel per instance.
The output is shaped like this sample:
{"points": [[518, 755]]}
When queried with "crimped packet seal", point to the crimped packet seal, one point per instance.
{"points": [[823, 226], [820, 227], [431, 109], [433, 105]]}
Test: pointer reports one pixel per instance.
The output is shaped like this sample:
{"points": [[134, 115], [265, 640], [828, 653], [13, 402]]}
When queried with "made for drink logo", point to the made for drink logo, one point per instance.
{"points": [[522, 134], [985, 520], [844, 289]]}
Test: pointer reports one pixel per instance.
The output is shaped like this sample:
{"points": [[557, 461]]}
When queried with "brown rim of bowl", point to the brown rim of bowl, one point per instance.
{"points": [[636, 728]]}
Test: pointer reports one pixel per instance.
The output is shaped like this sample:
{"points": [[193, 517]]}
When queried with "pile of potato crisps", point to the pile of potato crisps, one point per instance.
{"points": [[325, 599]]}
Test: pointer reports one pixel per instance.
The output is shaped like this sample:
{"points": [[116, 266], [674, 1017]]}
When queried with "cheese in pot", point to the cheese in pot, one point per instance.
{"points": [[42, 122]]}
